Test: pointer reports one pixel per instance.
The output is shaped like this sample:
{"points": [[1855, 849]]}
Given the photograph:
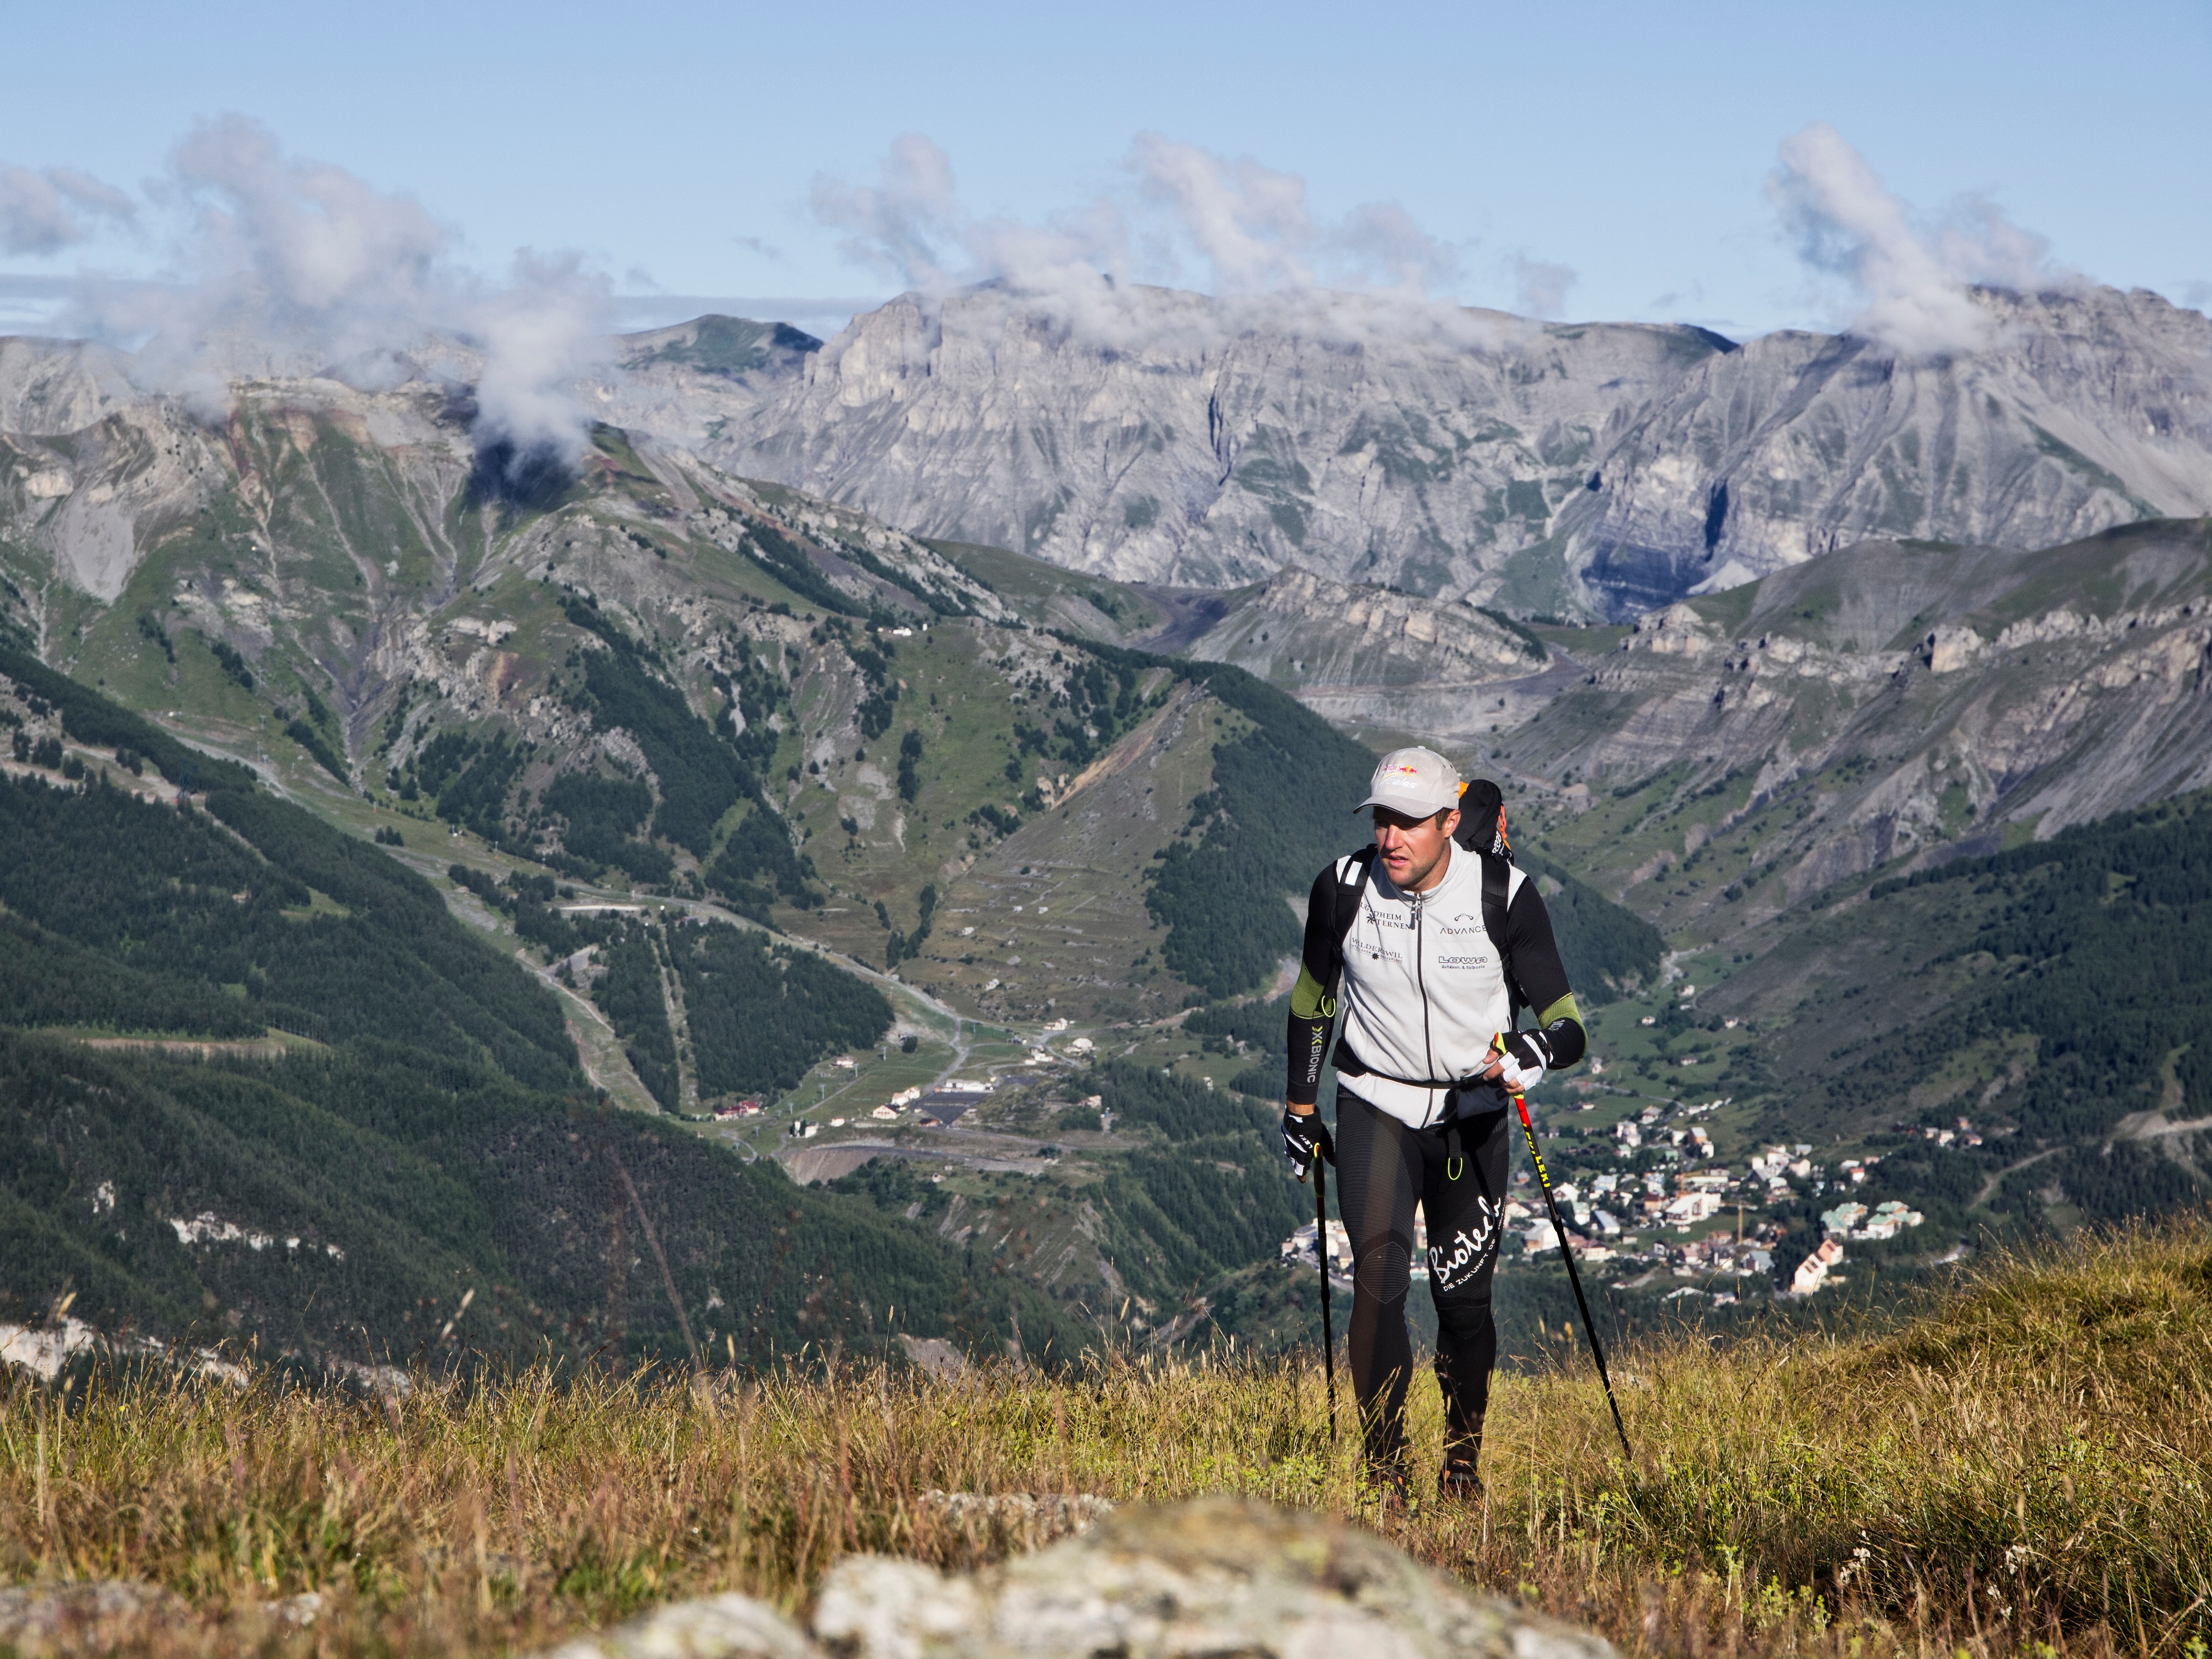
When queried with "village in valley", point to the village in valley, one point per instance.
{"points": [[1659, 1196]]}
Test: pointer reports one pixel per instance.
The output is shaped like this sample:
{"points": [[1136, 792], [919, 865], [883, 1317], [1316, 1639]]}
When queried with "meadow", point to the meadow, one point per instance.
{"points": [[2019, 1466]]}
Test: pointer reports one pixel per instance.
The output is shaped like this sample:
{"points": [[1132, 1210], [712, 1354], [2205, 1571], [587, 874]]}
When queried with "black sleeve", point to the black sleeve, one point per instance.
{"points": [[1319, 956], [1308, 1041], [1534, 955], [1313, 1009]]}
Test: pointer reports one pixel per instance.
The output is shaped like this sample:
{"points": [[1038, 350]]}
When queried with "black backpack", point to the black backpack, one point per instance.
{"points": [[1482, 832]]}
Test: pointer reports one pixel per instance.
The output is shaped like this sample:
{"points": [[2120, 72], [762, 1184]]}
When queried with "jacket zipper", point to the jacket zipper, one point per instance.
{"points": [[1419, 905]]}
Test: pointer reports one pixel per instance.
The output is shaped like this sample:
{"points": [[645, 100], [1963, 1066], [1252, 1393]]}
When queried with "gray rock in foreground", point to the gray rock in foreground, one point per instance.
{"points": [[1032, 1520], [730, 1626], [36, 1619], [1217, 1576]]}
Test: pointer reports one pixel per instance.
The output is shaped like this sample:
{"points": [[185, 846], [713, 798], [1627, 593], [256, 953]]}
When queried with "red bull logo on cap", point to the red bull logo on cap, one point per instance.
{"points": [[1416, 780]]}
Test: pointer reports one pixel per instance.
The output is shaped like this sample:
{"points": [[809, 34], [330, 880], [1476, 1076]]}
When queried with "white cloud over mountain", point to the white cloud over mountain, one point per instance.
{"points": [[1911, 279], [1179, 216], [283, 265], [44, 209]]}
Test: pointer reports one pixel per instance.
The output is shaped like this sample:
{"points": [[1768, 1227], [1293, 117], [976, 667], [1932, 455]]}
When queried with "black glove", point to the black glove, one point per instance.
{"points": [[1303, 1135]]}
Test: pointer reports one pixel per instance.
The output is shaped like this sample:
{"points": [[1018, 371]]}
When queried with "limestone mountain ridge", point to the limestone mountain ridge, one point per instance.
{"points": [[1600, 469]]}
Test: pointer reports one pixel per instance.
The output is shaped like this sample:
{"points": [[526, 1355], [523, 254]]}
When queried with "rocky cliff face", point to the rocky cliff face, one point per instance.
{"points": [[1371, 658], [2096, 410], [1196, 450], [50, 387], [1901, 700], [1608, 468]]}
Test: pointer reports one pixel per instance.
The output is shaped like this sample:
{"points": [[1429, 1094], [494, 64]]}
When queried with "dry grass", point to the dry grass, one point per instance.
{"points": [[2024, 1468]]}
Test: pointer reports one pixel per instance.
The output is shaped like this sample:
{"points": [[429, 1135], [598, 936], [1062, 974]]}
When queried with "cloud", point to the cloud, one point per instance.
{"points": [[286, 266], [1382, 239], [1914, 280], [43, 210], [909, 227], [1540, 286], [1250, 224], [540, 332], [1245, 233]]}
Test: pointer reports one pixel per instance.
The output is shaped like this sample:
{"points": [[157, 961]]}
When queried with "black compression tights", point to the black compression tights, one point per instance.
{"points": [[1382, 1169]]}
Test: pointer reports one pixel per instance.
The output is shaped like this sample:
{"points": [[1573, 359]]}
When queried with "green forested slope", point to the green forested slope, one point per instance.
{"points": [[1605, 947], [370, 1190], [169, 895], [91, 718], [1206, 1197], [1280, 808], [759, 1012], [435, 1139], [2094, 950]]}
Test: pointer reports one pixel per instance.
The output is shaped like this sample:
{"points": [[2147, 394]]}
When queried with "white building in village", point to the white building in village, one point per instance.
{"points": [[1813, 1272]]}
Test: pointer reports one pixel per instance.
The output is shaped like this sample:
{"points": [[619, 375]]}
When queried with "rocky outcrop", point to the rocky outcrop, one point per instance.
{"points": [[1216, 1576], [2091, 411], [49, 388], [1363, 655], [1912, 698], [94, 1616], [1305, 632], [1616, 466]]}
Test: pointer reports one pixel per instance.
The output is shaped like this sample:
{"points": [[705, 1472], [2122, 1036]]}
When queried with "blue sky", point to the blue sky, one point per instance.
{"points": [[1609, 161]]}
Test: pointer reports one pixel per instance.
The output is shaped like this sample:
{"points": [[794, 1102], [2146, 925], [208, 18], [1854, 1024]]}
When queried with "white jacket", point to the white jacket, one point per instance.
{"points": [[1423, 989]]}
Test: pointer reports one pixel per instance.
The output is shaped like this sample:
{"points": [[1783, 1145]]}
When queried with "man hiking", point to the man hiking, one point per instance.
{"points": [[1427, 948]]}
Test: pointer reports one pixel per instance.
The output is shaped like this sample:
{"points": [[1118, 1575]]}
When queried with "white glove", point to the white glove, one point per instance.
{"points": [[1521, 1058]]}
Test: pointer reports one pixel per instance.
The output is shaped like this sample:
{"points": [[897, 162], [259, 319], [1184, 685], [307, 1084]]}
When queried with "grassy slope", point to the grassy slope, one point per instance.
{"points": [[2017, 1470], [1047, 596]]}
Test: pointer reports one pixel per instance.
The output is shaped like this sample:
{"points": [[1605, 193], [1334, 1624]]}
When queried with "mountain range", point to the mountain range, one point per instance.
{"points": [[1575, 469], [805, 748]]}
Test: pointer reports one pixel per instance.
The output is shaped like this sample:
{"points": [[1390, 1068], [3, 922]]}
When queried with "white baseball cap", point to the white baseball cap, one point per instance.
{"points": [[1414, 782]]}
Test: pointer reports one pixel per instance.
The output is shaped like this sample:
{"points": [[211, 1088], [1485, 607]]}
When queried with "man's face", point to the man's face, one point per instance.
{"points": [[1413, 849]]}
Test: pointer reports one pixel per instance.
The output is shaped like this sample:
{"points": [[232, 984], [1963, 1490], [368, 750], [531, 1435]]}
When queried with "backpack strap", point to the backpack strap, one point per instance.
{"points": [[1496, 881], [1351, 892]]}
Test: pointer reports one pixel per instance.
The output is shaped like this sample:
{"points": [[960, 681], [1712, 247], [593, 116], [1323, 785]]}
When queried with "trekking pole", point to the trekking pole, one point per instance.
{"points": [[1320, 1255], [1589, 1325]]}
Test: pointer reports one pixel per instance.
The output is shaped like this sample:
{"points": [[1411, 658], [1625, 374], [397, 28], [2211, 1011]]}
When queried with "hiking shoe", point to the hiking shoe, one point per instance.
{"points": [[1392, 1489], [1458, 1483]]}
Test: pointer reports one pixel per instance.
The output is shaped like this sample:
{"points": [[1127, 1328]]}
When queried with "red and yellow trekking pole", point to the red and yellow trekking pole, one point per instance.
{"points": [[1574, 1277]]}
